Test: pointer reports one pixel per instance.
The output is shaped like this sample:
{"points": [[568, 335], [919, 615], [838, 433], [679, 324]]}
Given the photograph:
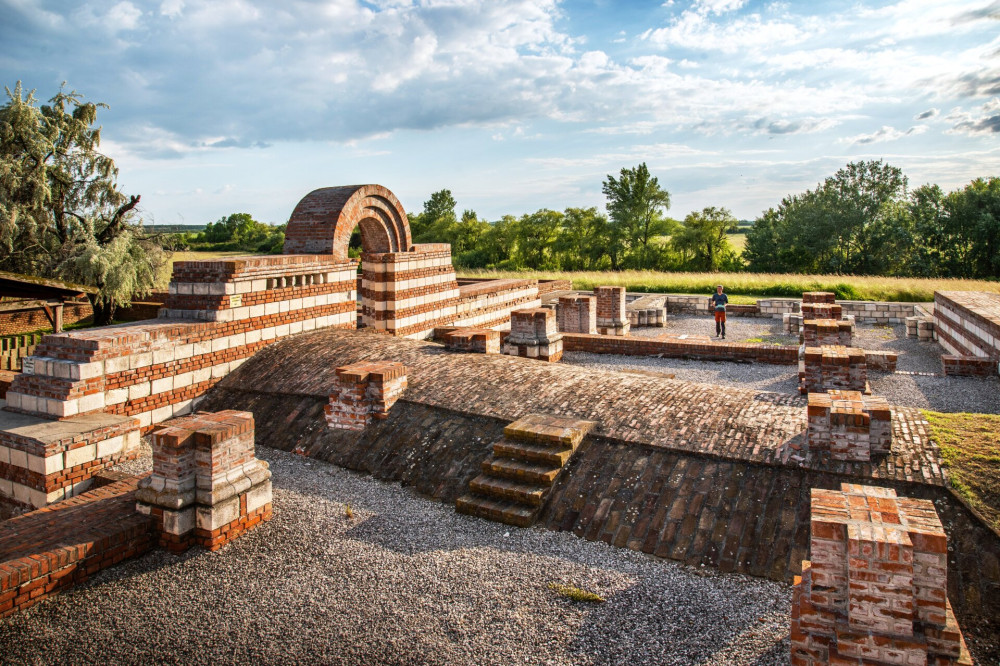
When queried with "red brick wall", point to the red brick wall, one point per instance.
{"points": [[677, 348], [14, 323]]}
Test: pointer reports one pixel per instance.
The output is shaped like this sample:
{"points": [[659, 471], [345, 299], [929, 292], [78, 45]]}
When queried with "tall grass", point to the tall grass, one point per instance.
{"points": [[847, 287]]}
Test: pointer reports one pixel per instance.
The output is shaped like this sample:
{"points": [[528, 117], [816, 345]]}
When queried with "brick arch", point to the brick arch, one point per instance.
{"points": [[323, 221]]}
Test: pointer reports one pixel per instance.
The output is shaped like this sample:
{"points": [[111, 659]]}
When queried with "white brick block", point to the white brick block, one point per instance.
{"points": [[81, 455], [138, 391], [116, 396], [110, 447], [162, 385]]}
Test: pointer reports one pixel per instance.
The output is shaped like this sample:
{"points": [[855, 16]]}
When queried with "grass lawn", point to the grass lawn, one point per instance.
{"points": [[970, 447], [756, 285]]}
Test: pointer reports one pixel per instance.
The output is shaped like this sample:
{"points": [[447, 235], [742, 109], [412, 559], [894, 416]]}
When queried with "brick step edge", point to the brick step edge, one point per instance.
{"points": [[499, 511], [505, 489], [519, 470], [531, 453]]}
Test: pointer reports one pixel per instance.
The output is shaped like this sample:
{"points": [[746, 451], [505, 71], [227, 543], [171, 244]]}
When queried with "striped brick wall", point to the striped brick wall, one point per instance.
{"points": [[967, 323]]}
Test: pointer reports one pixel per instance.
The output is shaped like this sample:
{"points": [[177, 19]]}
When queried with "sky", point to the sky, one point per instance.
{"points": [[222, 106]]}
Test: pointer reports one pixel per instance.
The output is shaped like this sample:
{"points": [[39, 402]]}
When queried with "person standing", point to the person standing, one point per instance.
{"points": [[719, 301]]}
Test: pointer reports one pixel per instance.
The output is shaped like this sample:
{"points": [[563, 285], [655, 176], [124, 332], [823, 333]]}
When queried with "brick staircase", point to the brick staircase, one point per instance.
{"points": [[525, 464]]}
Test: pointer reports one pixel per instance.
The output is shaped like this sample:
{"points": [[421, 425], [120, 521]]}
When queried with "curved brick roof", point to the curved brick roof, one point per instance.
{"points": [[324, 219], [725, 422]]}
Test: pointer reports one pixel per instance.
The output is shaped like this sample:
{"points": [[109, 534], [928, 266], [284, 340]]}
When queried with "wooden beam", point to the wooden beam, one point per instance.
{"points": [[19, 306]]}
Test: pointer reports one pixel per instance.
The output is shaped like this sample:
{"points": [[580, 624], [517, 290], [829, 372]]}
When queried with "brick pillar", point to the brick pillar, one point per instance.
{"points": [[819, 297], [819, 332], [577, 314], [364, 391], [533, 334], [207, 485], [611, 319], [876, 586], [849, 425], [833, 367]]}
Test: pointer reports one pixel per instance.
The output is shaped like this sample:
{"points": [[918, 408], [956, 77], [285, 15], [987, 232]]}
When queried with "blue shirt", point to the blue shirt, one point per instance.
{"points": [[720, 301]]}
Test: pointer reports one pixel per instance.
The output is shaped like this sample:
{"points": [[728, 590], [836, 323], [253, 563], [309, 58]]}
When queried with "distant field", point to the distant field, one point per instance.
{"points": [[738, 241], [163, 277], [758, 285]]}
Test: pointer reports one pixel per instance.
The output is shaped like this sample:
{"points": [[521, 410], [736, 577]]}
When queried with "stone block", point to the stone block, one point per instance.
{"points": [[364, 391], [611, 319], [533, 334]]}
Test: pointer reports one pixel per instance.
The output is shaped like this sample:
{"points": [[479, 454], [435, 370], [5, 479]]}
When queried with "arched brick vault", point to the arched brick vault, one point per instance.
{"points": [[323, 221]]}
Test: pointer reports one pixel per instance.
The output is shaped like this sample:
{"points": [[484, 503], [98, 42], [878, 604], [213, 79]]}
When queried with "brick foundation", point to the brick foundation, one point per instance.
{"points": [[533, 334], [473, 340], [611, 319], [207, 485], [674, 346], [820, 332], [49, 550], [577, 314], [833, 368], [849, 425], [967, 323], [364, 391], [43, 461], [819, 297], [874, 590], [968, 366]]}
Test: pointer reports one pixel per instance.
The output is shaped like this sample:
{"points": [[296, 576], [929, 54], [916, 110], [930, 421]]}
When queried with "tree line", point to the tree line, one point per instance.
{"points": [[864, 221], [635, 233]]}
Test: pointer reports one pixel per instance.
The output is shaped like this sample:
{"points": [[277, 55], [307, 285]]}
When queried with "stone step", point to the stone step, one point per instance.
{"points": [[532, 453], [516, 491], [555, 431], [501, 511], [519, 470]]}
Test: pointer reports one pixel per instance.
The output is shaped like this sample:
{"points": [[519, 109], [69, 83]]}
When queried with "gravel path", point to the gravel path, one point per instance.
{"points": [[402, 581], [926, 389]]}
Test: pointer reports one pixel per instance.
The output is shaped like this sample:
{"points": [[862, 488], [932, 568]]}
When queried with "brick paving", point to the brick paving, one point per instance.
{"points": [[722, 422]]}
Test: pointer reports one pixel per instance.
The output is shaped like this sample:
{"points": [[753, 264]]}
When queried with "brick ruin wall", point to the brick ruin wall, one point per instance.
{"points": [[35, 319], [644, 486], [219, 313], [967, 326]]}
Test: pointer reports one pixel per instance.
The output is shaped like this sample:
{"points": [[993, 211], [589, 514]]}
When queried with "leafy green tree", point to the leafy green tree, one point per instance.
{"points": [[536, 236], [853, 222], [703, 238], [62, 213], [636, 204], [972, 224], [582, 243], [437, 222]]}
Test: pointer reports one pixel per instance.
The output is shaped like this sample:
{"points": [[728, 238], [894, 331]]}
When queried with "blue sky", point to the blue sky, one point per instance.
{"points": [[219, 106]]}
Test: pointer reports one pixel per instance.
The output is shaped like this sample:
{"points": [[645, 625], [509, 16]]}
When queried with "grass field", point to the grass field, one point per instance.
{"points": [[970, 449], [757, 285]]}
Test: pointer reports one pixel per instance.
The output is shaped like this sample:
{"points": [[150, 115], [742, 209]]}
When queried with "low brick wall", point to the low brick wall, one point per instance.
{"points": [[879, 312], [968, 366], [677, 347], [51, 549], [34, 319]]}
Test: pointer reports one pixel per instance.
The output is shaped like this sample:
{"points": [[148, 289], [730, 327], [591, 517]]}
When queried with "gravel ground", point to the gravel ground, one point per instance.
{"points": [[925, 389], [402, 581]]}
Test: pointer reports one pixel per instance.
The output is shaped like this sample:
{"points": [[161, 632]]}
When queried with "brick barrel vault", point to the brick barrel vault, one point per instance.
{"points": [[719, 489]]}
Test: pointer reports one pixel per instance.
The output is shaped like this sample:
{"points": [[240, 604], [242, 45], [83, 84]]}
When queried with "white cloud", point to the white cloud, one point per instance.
{"points": [[986, 120], [172, 8], [717, 6], [883, 134], [697, 30]]}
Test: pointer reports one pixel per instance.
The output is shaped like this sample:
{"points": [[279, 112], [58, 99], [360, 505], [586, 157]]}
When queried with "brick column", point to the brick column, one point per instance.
{"points": [[207, 485], [577, 314], [833, 367], [611, 319], [365, 391], [875, 590], [849, 425], [533, 334], [819, 332]]}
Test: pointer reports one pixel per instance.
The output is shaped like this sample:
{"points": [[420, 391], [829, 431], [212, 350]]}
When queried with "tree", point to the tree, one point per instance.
{"points": [[853, 222], [61, 211], [536, 236], [636, 204], [972, 225], [437, 222], [582, 243], [704, 238]]}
